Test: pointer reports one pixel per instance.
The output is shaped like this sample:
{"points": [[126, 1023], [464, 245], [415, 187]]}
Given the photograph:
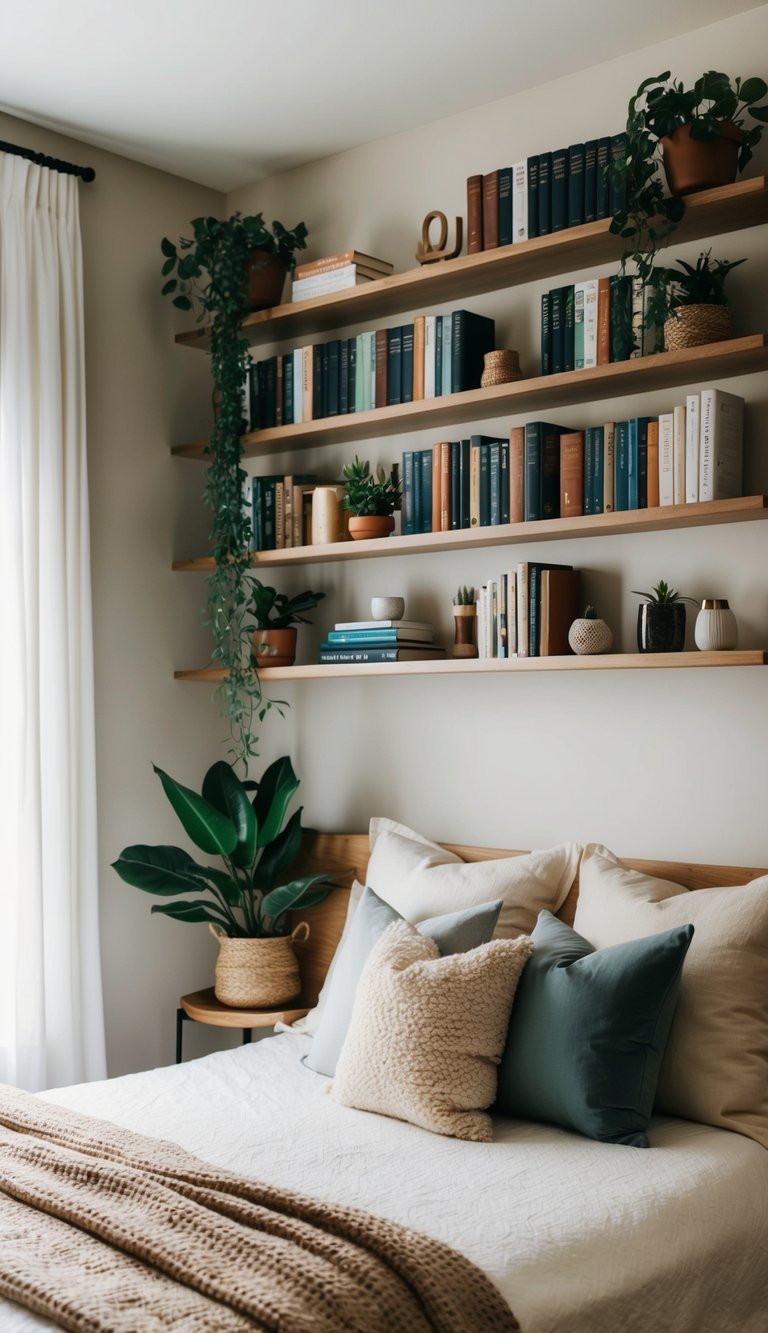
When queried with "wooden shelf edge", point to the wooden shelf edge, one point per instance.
{"points": [[745, 509], [734, 356], [729, 208], [745, 657]]}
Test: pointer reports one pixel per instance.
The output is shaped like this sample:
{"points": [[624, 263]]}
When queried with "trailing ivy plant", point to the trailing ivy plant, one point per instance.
{"points": [[210, 275]]}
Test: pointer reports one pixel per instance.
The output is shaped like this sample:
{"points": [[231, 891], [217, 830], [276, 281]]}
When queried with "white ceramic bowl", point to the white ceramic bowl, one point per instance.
{"points": [[387, 608]]}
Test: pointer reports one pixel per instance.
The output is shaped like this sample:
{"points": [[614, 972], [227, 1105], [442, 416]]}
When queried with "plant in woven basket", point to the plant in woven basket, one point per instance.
{"points": [[249, 898], [367, 492]]}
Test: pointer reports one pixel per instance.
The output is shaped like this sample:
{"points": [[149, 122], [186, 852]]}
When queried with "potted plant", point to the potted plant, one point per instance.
{"points": [[247, 903], [589, 634], [661, 620], [665, 120], [465, 621], [265, 255], [276, 616], [696, 302], [371, 498], [211, 274]]}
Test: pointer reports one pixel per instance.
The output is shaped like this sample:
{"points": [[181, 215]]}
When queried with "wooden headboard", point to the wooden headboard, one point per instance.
{"points": [[345, 857]]}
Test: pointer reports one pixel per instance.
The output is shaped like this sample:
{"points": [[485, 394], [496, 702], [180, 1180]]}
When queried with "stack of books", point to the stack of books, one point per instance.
{"points": [[527, 611], [380, 641], [336, 273]]}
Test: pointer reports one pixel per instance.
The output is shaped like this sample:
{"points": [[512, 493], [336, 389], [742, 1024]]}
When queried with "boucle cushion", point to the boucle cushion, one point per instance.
{"points": [[427, 1032], [454, 933], [422, 879], [715, 1069]]}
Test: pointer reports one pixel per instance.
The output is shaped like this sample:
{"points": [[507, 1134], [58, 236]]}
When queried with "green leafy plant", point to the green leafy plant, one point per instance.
{"points": [[464, 597], [662, 595], [589, 613], [699, 284], [367, 492], [211, 274], [275, 610], [251, 897]]}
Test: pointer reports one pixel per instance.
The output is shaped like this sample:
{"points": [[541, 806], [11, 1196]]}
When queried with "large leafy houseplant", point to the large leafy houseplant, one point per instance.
{"points": [[249, 898], [210, 275]]}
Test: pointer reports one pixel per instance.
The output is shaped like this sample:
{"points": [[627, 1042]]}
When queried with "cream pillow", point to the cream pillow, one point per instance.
{"points": [[421, 879], [715, 1068], [427, 1033]]}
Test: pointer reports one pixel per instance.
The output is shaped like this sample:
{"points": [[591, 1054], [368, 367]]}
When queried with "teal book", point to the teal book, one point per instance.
{"points": [[505, 206], [533, 198], [637, 463], [534, 604], [621, 465], [560, 189], [407, 526], [576, 161], [333, 655], [598, 469], [569, 327], [546, 333], [602, 179], [343, 377], [394, 366], [378, 637], [425, 490], [542, 470], [590, 180], [545, 193], [406, 369], [447, 357], [359, 375], [438, 356]]}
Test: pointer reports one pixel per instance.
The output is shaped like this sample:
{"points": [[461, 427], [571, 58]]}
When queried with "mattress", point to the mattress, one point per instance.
{"points": [[577, 1235]]}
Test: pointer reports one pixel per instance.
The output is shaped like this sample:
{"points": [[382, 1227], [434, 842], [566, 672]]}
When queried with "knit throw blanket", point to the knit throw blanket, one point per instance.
{"points": [[104, 1229]]}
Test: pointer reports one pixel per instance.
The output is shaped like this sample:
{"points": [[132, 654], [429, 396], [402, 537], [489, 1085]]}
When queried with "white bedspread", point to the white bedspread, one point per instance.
{"points": [[578, 1236]]}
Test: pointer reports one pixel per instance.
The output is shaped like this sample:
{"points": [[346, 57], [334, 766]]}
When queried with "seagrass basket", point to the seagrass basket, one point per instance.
{"points": [[258, 973], [694, 325], [500, 367]]}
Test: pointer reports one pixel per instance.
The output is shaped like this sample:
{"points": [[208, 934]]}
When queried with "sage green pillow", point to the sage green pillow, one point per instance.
{"points": [[588, 1031]]}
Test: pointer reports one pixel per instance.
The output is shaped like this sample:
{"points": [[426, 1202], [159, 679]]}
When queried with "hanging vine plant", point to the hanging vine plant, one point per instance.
{"points": [[210, 272]]}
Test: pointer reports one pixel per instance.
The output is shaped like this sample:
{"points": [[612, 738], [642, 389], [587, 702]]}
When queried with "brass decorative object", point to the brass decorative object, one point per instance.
{"points": [[426, 253]]}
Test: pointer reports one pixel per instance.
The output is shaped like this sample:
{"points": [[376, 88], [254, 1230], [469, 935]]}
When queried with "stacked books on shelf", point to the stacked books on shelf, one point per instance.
{"points": [[546, 193], [594, 322], [433, 356], [281, 511], [380, 641], [337, 273], [527, 611], [456, 484]]}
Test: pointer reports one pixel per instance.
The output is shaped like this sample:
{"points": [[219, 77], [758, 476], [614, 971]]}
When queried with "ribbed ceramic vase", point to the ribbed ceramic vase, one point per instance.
{"points": [[715, 628]]}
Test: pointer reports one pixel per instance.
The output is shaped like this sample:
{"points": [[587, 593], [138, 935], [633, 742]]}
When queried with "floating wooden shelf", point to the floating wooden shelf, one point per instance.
{"points": [[736, 356], [481, 666], [711, 213], [742, 510]]}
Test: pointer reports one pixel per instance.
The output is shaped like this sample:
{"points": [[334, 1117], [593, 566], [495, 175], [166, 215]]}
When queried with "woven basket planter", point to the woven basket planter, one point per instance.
{"points": [[500, 367], [258, 973], [694, 325], [590, 636]]}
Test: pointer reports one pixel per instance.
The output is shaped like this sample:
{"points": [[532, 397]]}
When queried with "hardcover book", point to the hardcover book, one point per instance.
{"points": [[474, 214], [542, 470], [621, 500], [505, 206], [560, 605], [394, 366], [491, 210], [545, 194], [571, 474], [403, 653], [576, 184], [721, 446], [678, 453], [517, 474], [609, 467], [692, 444], [520, 202], [590, 180], [472, 336], [533, 197], [666, 465], [602, 178], [557, 329], [560, 189], [653, 463], [380, 637], [617, 197], [546, 333]]}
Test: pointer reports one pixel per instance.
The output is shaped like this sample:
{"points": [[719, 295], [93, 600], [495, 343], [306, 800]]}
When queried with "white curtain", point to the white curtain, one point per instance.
{"points": [[51, 1014]]}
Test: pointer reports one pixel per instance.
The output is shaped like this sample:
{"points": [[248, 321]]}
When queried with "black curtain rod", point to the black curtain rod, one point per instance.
{"points": [[86, 174]]}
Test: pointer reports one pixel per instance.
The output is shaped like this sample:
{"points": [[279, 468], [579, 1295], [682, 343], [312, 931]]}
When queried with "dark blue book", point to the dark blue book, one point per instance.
{"points": [[534, 604], [256, 525], [533, 197], [505, 206], [406, 514], [590, 180], [253, 395], [482, 444], [288, 390], [343, 376], [603, 179], [569, 328], [318, 402], [269, 395], [637, 463], [439, 355], [332, 395], [598, 469], [560, 189], [621, 465], [268, 528], [464, 448], [622, 336], [425, 490], [589, 470], [545, 194], [557, 329], [406, 364], [617, 196], [352, 358], [494, 471], [472, 336], [417, 501], [455, 473], [576, 156], [394, 366], [504, 471], [542, 470], [546, 333]]}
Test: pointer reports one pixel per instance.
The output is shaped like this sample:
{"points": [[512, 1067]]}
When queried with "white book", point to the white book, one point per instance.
{"points": [[520, 201], [490, 620], [298, 397], [447, 363], [429, 356], [384, 624], [609, 466], [721, 445], [678, 454], [692, 432], [666, 446], [578, 326], [339, 280], [482, 616], [511, 613], [590, 322]]}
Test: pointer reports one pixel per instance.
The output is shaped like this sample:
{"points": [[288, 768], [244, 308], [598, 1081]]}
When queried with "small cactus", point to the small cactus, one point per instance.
{"points": [[464, 597]]}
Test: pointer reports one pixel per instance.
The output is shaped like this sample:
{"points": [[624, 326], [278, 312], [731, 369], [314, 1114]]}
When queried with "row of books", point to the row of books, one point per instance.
{"points": [[593, 322], [433, 356], [281, 511], [527, 611], [337, 273], [380, 641], [546, 193]]}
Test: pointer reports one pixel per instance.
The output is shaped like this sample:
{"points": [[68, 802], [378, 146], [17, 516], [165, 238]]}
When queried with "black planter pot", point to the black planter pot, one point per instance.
{"points": [[661, 629]]}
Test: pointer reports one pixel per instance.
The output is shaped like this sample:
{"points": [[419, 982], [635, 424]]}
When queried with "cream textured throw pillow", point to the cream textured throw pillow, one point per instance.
{"points": [[715, 1068], [421, 879], [427, 1033]]}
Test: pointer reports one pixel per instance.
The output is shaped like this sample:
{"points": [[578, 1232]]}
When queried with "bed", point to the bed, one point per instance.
{"points": [[575, 1234]]}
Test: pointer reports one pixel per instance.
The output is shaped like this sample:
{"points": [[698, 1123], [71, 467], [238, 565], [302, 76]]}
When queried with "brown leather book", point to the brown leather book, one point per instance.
{"points": [[445, 486], [572, 474], [603, 321], [474, 214], [653, 465], [381, 368], [517, 474], [560, 606], [419, 339], [491, 211]]}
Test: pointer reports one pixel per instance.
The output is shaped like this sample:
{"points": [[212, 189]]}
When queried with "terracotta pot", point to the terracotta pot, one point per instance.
{"points": [[694, 325], [266, 279], [661, 629], [370, 525], [275, 647], [699, 164], [257, 973]]}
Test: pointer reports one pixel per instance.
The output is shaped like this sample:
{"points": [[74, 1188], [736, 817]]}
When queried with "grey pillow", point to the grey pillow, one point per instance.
{"points": [[458, 932]]}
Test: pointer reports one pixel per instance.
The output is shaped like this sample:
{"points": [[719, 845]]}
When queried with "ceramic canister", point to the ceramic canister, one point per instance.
{"points": [[715, 627]]}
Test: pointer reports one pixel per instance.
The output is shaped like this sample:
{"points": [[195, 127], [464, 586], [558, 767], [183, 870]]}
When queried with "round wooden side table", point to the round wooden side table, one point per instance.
{"points": [[201, 1006]]}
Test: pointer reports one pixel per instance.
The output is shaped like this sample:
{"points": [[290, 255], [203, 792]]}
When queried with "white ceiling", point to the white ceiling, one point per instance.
{"points": [[226, 91]]}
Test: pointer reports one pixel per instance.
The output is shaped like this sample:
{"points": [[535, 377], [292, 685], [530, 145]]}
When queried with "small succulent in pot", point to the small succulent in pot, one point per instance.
{"points": [[276, 616], [465, 597], [661, 619], [368, 493]]}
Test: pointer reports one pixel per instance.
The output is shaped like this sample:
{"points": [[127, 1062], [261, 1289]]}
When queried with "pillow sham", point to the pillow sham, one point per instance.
{"points": [[715, 1069], [427, 1032], [588, 1031], [455, 932], [421, 879], [311, 1020]]}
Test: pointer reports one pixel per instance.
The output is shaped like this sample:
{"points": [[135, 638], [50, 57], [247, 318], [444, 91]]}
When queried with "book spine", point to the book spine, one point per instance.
{"points": [[419, 338], [485, 484], [474, 214], [344, 377], [435, 515], [557, 325], [406, 388], [560, 189], [279, 516], [568, 327], [491, 210], [576, 184], [352, 357], [427, 481], [603, 321], [279, 391], [572, 474], [429, 356], [678, 453], [653, 464], [332, 656], [520, 202], [322, 284], [455, 484], [298, 393], [638, 317], [307, 385], [579, 292], [609, 467], [494, 475], [317, 382], [375, 638], [407, 500], [438, 356], [505, 206], [598, 469], [546, 333], [447, 354], [394, 365], [257, 538], [517, 474], [602, 179], [545, 194], [533, 460], [722, 445], [642, 462], [590, 323], [288, 414], [288, 512], [666, 468], [589, 471], [533, 197], [270, 389], [618, 180], [633, 500], [504, 481], [268, 513], [521, 584], [444, 489], [620, 317], [550, 472], [590, 180], [692, 403], [474, 484], [332, 396], [381, 354], [621, 499]]}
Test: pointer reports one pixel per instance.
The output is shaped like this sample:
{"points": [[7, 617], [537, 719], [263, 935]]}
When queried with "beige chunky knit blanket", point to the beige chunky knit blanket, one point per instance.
{"points": [[104, 1229]]}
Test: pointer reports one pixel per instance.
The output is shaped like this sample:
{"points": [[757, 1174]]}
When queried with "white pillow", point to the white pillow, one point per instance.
{"points": [[421, 879], [715, 1067]]}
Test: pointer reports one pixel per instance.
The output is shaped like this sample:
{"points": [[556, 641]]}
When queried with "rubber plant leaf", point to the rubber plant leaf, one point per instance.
{"points": [[181, 911], [295, 894], [279, 855], [224, 790], [274, 794], [208, 828]]}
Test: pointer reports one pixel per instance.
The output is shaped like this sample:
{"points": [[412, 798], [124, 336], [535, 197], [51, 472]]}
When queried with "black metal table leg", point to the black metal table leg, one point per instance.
{"points": [[180, 1016], [247, 1036]]}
